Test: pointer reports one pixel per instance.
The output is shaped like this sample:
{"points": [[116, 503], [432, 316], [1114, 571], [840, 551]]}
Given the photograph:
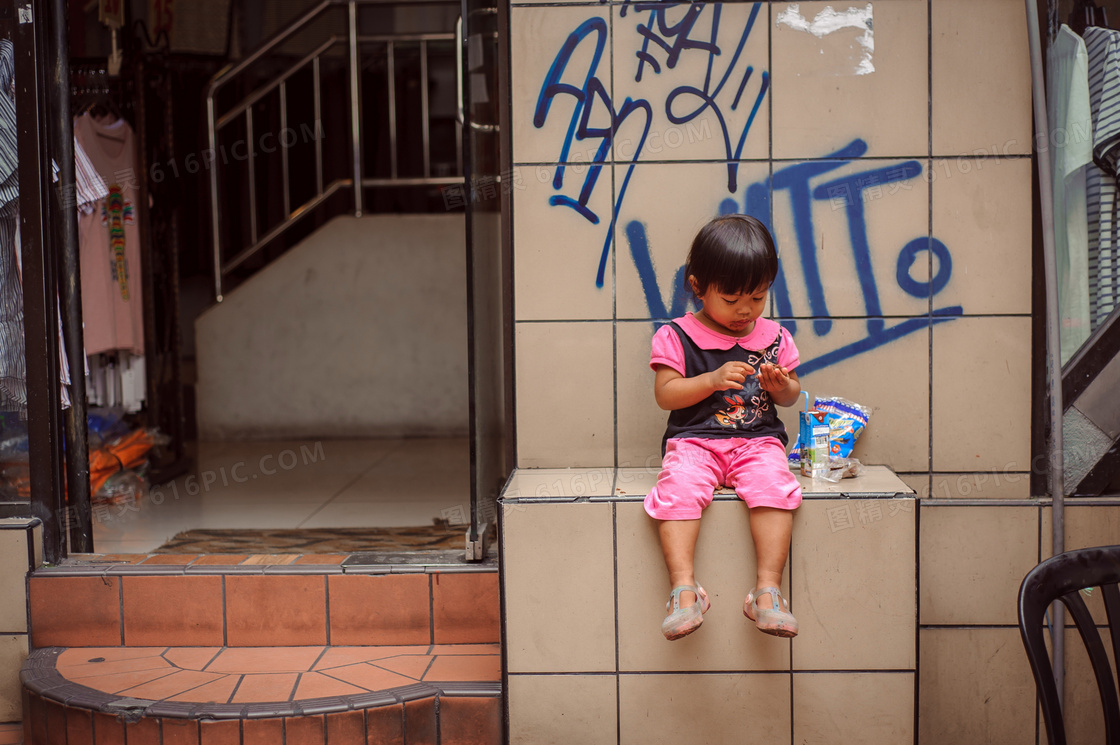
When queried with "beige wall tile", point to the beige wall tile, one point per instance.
{"points": [[889, 213], [852, 566], [14, 563], [975, 688], [919, 482], [540, 602], [565, 484], [637, 481], [537, 37], [725, 568], [820, 104], [981, 77], [641, 423], [981, 432], [986, 485], [565, 395], [1084, 717], [1085, 527], [662, 237], [965, 576], [13, 652], [645, 71], [558, 251], [711, 709], [982, 215], [892, 380], [852, 708], [563, 709]]}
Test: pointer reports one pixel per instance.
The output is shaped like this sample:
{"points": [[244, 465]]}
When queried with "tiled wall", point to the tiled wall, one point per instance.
{"points": [[907, 610], [893, 165], [21, 550]]}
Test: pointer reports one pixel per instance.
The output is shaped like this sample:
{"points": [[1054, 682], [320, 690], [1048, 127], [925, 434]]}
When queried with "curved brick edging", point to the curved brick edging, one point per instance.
{"points": [[40, 676]]}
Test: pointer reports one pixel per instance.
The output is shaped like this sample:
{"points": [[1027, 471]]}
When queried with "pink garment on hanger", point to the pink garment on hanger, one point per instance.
{"points": [[109, 241]]}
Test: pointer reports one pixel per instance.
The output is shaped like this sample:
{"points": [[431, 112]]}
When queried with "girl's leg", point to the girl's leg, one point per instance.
{"points": [[678, 545], [771, 529]]}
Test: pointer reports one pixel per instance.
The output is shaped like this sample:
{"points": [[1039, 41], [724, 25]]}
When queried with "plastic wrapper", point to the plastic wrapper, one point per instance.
{"points": [[846, 420], [842, 468], [127, 453], [123, 487]]}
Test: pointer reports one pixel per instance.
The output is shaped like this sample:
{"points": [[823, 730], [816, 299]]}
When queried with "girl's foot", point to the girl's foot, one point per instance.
{"points": [[771, 616], [683, 621]]}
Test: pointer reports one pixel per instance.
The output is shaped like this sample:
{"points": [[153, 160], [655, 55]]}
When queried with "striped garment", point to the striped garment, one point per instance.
{"points": [[1103, 47]]}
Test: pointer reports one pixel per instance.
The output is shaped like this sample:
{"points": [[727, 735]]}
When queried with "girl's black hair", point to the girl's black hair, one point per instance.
{"points": [[733, 252]]}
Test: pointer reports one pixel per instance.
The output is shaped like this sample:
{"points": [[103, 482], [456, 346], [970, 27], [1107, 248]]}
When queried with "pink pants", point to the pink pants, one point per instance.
{"points": [[692, 469]]}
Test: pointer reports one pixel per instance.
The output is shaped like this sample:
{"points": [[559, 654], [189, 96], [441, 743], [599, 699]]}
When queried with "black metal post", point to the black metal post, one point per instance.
{"points": [[40, 320], [70, 282]]}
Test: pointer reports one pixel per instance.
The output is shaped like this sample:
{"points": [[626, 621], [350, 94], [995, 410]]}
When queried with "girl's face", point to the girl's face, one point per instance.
{"points": [[731, 313]]}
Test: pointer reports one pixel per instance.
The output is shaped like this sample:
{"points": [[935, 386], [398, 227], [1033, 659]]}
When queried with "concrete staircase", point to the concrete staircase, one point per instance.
{"points": [[132, 649]]}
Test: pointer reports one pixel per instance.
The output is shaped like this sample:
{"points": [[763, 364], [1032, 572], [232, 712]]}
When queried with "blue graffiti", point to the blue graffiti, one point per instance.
{"points": [[849, 192], [592, 102]]}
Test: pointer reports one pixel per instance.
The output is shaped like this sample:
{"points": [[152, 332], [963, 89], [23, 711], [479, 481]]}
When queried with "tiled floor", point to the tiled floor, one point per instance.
{"points": [[297, 484], [277, 674]]}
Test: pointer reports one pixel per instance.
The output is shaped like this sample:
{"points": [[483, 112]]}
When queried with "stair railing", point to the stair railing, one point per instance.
{"points": [[220, 118]]}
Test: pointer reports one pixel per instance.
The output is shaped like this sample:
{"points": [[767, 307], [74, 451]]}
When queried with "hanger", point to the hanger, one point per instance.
{"points": [[1087, 13]]}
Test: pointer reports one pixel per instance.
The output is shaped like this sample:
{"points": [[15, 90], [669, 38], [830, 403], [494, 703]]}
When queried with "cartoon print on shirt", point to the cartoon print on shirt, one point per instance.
{"points": [[115, 212], [732, 416]]}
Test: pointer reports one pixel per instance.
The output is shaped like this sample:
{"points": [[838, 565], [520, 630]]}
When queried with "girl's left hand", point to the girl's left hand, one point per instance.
{"points": [[773, 378]]}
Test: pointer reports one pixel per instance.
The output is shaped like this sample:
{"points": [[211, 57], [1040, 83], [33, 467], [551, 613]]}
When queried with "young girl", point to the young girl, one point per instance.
{"points": [[720, 372]]}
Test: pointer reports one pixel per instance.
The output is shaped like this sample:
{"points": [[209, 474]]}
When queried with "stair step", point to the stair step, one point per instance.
{"points": [[327, 695]]}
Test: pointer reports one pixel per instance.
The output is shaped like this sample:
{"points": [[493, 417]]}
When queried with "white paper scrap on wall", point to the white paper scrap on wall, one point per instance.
{"points": [[829, 21]]}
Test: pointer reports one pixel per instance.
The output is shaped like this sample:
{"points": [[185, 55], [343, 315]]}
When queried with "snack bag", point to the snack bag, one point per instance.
{"points": [[846, 420]]}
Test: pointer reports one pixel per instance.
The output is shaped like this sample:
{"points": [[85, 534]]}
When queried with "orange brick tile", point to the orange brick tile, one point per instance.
{"points": [[385, 725], [12, 734], [265, 688], [104, 655], [305, 730], [221, 559], [191, 658], [346, 727], [56, 722], [317, 685], [75, 611], [175, 684], [82, 663], [380, 609], [79, 727], [339, 656], [265, 660], [122, 681], [107, 730], [465, 608], [465, 668], [420, 721], [180, 731], [262, 732], [371, 678], [218, 692], [275, 610], [184, 611], [219, 732], [143, 732], [331, 559], [271, 559], [175, 559], [413, 666], [469, 720], [449, 649], [34, 718]]}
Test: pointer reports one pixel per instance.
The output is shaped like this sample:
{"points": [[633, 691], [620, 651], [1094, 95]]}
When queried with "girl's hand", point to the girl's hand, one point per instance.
{"points": [[772, 378], [731, 375]]}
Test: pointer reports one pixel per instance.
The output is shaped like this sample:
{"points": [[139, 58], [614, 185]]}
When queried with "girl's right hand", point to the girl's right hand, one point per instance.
{"points": [[731, 375]]}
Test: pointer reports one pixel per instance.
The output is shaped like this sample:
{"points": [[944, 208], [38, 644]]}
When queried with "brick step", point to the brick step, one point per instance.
{"points": [[296, 695], [273, 650]]}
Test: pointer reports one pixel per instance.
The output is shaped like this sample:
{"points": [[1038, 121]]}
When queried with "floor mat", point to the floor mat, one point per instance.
{"points": [[316, 540]]}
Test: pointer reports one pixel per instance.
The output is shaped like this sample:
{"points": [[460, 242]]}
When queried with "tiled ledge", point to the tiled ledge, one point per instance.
{"points": [[623, 484], [441, 562]]}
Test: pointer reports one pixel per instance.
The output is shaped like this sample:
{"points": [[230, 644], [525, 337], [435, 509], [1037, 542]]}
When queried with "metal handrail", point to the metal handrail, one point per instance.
{"points": [[243, 110]]}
